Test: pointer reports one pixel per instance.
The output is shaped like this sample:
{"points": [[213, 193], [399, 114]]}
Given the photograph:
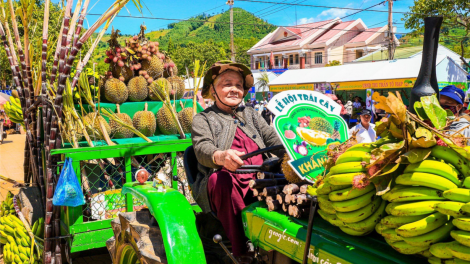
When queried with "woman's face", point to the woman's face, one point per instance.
{"points": [[229, 88]]}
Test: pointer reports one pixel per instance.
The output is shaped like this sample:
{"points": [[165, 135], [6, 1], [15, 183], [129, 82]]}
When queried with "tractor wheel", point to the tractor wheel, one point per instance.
{"points": [[137, 239]]}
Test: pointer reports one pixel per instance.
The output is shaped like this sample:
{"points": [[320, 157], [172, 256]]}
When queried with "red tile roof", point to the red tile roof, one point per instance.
{"points": [[304, 31], [363, 36], [333, 32]]}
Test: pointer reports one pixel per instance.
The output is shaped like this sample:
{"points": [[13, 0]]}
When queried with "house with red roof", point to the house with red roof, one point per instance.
{"points": [[316, 44]]}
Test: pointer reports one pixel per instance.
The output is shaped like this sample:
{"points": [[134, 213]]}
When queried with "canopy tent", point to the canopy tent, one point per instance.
{"points": [[4, 98], [404, 70]]}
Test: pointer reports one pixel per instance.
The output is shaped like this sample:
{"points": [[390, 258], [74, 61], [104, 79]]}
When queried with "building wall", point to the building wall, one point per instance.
{"points": [[336, 53]]}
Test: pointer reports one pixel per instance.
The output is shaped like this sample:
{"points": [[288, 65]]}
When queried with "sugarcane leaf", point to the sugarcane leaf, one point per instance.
{"points": [[434, 111], [415, 155]]}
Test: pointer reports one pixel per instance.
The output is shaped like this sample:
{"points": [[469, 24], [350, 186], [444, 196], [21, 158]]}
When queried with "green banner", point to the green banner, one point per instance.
{"points": [[307, 122]]}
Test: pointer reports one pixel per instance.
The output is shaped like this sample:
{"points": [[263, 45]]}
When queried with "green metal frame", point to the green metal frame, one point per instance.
{"points": [[89, 235]]}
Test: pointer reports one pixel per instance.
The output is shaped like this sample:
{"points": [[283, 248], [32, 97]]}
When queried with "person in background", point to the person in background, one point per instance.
{"points": [[249, 103], [349, 110], [451, 98], [365, 130], [257, 108], [267, 115], [356, 103], [344, 112]]}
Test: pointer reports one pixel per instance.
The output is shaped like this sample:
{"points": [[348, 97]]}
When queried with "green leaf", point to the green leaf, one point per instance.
{"points": [[434, 111], [384, 181], [420, 111], [423, 138], [415, 155]]}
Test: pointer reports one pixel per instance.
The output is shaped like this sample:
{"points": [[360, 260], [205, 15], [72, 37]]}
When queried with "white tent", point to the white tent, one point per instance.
{"points": [[447, 71]]}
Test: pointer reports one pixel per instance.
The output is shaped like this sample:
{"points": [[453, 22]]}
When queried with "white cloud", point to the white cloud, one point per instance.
{"points": [[327, 14]]}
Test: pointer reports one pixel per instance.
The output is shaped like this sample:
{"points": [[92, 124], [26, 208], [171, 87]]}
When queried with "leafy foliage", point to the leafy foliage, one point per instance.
{"points": [[333, 63]]}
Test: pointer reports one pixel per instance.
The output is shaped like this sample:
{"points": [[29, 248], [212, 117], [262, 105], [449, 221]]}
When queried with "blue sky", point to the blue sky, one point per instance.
{"points": [[277, 14]]}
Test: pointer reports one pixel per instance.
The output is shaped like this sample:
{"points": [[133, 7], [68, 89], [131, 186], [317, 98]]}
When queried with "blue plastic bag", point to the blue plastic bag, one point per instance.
{"points": [[68, 191]]}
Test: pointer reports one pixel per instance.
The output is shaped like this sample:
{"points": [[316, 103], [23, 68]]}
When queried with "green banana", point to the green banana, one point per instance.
{"points": [[394, 189], [379, 228], [414, 193], [465, 208], [353, 156], [440, 250], [328, 210], [342, 179], [325, 204], [404, 248], [459, 251], [459, 261], [432, 237], [348, 167], [435, 260], [349, 193], [463, 237], [410, 209], [352, 232], [458, 194], [369, 223], [466, 182], [462, 223], [330, 218], [391, 221], [426, 254], [391, 235], [451, 156], [360, 214], [354, 204], [427, 180], [25, 242], [326, 188], [35, 227], [435, 167], [450, 208], [364, 147], [423, 226], [40, 231]]}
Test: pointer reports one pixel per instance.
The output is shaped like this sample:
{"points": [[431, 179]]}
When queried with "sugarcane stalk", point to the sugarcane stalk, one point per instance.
{"points": [[80, 23], [73, 24], [56, 56], [26, 163]]}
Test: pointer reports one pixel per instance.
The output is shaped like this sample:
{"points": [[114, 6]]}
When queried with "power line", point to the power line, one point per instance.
{"points": [[334, 7]]}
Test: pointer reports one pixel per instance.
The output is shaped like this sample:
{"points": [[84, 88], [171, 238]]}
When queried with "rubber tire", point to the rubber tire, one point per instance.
{"points": [[136, 237]]}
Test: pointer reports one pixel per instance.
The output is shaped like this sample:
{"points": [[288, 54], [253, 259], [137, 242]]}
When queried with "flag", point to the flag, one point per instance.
{"points": [[271, 59]]}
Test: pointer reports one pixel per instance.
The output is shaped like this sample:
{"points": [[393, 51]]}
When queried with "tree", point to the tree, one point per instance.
{"points": [[262, 82], [171, 47], [333, 63], [456, 25]]}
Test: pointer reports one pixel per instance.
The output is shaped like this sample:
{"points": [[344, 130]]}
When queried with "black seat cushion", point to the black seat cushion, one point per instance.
{"points": [[190, 165]]}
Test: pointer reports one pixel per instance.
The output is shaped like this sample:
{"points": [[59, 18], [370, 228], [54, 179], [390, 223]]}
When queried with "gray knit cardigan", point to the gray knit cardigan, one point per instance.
{"points": [[214, 130]]}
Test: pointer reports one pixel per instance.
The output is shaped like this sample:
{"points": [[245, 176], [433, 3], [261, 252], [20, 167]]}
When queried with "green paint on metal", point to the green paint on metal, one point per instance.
{"points": [[285, 234], [175, 218], [89, 240]]}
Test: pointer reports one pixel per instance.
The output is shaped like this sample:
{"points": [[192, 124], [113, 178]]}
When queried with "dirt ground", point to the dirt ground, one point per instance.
{"points": [[11, 166]]}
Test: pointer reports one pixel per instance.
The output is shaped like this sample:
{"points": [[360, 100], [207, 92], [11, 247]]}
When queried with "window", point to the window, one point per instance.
{"points": [[296, 58], [291, 59], [276, 60], [359, 53], [318, 58]]}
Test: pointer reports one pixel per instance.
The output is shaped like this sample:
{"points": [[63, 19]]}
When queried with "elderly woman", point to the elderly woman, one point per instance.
{"points": [[221, 134]]}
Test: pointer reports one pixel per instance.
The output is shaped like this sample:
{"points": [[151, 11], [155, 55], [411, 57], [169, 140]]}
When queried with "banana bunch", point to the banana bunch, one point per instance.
{"points": [[422, 205], [356, 211], [18, 246], [7, 206], [13, 110]]}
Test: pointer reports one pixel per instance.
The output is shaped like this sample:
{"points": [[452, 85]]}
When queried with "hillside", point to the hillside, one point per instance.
{"points": [[211, 33]]}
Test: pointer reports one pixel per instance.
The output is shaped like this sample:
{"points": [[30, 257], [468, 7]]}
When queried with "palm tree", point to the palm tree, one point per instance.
{"points": [[263, 81]]}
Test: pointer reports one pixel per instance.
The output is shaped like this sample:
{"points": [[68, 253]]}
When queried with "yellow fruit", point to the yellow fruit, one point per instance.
{"points": [[313, 137]]}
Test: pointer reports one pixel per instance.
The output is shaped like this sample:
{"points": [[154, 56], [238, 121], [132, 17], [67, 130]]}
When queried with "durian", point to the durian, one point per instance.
{"points": [[185, 117], [145, 122], [125, 72], [119, 131], [115, 91], [138, 90], [154, 67], [166, 123], [93, 120], [177, 87], [289, 173], [320, 124], [162, 86]]}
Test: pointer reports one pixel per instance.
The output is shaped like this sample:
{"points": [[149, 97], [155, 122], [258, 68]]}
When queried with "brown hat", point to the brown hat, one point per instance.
{"points": [[222, 66]]}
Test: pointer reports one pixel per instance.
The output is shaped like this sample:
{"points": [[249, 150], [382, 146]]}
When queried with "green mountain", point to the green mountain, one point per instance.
{"points": [[210, 33]]}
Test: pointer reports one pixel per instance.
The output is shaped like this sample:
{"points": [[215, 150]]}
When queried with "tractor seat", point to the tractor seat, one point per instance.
{"points": [[190, 165]]}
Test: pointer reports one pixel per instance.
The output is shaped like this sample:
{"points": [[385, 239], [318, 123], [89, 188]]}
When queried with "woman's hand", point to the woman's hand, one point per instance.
{"points": [[229, 159]]}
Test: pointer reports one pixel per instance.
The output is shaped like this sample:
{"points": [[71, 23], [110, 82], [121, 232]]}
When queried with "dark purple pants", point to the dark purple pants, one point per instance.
{"points": [[229, 193]]}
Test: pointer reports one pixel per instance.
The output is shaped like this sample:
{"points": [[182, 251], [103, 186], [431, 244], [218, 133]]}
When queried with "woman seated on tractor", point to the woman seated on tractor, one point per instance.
{"points": [[220, 135]]}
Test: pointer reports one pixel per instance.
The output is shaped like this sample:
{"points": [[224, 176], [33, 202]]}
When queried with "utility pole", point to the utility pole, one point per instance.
{"points": [[230, 3], [391, 43]]}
